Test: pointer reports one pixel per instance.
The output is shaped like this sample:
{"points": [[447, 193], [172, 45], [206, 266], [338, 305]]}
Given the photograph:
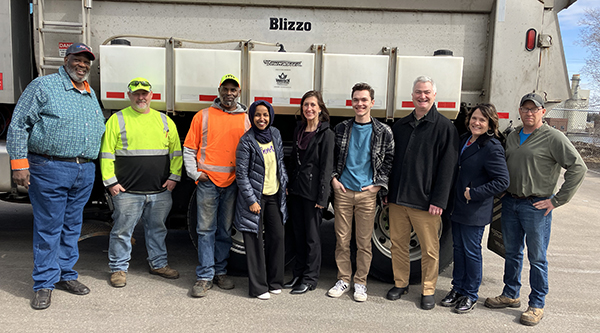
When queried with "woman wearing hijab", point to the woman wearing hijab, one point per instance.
{"points": [[310, 177], [482, 173], [261, 203]]}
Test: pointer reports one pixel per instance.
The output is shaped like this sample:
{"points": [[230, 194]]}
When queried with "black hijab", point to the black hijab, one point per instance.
{"points": [[262, 136]]}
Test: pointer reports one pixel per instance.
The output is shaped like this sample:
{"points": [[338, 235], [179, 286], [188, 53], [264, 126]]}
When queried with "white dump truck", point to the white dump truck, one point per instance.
{"points": [[477, 51]]}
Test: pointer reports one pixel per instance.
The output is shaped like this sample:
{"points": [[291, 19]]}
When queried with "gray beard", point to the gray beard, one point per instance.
{"points": [[73, 74]]}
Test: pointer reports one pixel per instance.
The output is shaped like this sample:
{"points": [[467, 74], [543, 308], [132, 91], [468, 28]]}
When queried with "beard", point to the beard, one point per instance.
{"points": [[72, 71], [229, 104], [141, 107]]}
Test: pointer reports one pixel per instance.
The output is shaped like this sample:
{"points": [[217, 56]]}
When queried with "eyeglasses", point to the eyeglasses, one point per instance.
{"points": [[142, 83], [532, 111]]}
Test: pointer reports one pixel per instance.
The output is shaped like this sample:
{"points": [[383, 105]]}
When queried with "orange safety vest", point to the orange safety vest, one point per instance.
{"points": [[215, 134]]}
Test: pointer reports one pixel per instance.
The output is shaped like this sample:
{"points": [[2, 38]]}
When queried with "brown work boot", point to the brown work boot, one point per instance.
{"points": [[166, 272], [532, 316], [502, 301], [223, 281], [201, 287], [118, 279]]}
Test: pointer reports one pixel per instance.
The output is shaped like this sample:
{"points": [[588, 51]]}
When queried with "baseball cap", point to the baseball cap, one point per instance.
{"points": [[229, 77], [78, 48], [535, 98], [139, 83]]}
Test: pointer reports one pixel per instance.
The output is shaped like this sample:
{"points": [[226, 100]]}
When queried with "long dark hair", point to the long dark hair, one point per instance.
{"points": [[324, 115], [488, 111]]}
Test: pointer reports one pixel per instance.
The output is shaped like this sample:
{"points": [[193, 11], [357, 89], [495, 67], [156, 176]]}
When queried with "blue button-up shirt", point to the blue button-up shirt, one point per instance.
{"points": [[53, 117]]}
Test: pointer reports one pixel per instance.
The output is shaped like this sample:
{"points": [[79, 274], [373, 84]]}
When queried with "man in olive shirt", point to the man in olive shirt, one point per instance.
{"points": [[535, 154]]}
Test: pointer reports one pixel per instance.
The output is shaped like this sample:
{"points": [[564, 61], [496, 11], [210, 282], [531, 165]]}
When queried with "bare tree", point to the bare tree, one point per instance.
{"points": [[590, 39]]}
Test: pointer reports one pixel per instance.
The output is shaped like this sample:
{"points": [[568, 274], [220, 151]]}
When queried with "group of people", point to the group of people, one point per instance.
{"points": [[419, 167]]}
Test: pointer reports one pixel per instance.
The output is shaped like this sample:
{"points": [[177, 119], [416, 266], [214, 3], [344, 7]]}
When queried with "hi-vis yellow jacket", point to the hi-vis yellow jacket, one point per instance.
{"points": [[140, 151]]}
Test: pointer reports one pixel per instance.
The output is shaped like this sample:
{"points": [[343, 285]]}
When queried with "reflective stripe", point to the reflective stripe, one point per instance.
{"points": [[215, 168], [110, 181], [122, 129], [142, 152], [175, 177], [108, 156], [164, 120], [204, 136], [175, 153]]}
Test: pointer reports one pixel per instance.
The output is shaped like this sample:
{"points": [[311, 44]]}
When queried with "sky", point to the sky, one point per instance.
{"points": [[569, 25]]}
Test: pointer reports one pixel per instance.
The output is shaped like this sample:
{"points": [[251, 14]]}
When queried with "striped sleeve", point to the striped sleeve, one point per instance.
{"points": [[107, 151]]}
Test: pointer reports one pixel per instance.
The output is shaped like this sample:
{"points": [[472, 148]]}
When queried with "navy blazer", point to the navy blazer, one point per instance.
{"points": [[482, 168]]}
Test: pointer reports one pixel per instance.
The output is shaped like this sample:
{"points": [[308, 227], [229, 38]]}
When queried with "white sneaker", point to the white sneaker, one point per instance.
{"points": [[360, 292], [264, 296], [339, 288], [275, 291]]}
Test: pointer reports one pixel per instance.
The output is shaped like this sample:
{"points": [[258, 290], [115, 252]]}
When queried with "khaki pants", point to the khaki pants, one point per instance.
{"points": [[361, 205], [427, 227]]}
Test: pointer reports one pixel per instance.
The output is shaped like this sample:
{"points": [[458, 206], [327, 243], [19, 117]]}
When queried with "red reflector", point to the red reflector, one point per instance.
{"points": [[530, 39], [156, 96], [446, 105], [408, 104], [268, 99], [348, 102], [503, 115], [112, 94], [295, 101], [207, 98]]}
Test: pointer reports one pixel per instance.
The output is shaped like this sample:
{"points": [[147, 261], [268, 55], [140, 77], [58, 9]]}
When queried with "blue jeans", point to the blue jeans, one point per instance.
{"points": [[152, 210], [216, 206], [522, 224], [58, 192], [468, 262]]}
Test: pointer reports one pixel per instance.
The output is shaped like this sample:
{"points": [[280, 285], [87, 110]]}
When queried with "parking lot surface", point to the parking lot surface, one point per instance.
{"points": [[151, 304]]}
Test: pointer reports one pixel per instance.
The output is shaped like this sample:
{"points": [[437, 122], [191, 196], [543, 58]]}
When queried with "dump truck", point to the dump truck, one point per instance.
{"points": [[491, 51]]}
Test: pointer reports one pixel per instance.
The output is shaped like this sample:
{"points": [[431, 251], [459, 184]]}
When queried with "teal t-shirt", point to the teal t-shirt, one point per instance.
{"points": [[358, 171]]}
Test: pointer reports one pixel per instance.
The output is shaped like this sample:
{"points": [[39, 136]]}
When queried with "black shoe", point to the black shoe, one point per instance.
{"points": [[292, 283], [464, 305], [427, 302], [73, 286], [395, 293], [302, 288], [451, 299], [41, 299]]}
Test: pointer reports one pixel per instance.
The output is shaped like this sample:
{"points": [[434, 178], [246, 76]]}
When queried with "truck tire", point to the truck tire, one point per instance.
{"points": [[236, 264], [381, 264]]}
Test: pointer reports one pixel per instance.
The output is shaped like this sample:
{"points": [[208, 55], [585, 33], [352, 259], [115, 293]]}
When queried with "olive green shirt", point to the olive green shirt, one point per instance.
{"points": [[535, 166]]}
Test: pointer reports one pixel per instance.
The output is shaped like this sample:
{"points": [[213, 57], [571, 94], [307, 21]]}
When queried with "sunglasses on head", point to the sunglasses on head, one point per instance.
{"points": [[137, 83]]}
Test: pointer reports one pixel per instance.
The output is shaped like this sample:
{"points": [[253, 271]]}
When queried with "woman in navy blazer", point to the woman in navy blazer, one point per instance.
{"points": [[482, 173]]}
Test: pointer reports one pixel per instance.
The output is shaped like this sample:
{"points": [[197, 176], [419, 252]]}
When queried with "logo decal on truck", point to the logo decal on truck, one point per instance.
{"points": [[282, 79], [282, 23], [283, 63]]}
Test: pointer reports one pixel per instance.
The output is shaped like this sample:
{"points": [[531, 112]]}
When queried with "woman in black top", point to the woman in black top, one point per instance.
{"points": [[309, 187]]}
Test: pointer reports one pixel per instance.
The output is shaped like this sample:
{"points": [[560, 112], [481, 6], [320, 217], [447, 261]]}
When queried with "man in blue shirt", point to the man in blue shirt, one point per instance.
{"points": [[53, 137], [363, 154]]}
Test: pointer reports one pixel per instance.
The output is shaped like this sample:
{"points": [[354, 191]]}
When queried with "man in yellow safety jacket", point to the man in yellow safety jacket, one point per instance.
{"points": [[141, 161], [209, 157]]}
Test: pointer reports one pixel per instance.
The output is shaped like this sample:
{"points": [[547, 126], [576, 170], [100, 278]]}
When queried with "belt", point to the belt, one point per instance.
{"points": [[78, 160], [522, 198]]}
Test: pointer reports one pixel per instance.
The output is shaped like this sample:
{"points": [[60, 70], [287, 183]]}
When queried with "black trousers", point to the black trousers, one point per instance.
{"points": [[265, 251], [306, 219]]}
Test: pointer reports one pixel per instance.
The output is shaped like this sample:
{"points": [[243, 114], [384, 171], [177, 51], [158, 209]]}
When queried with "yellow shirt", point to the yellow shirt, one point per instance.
{"points": [[271, 184]]}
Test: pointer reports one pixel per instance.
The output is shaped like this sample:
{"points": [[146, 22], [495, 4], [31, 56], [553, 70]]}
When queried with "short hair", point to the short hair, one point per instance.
{"points": [[324, 115], [363, 86], [424, 79], [488, 111]]}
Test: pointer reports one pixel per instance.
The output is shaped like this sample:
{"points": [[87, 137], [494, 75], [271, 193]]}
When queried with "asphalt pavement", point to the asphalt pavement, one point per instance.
{"points": [[152, 304]]}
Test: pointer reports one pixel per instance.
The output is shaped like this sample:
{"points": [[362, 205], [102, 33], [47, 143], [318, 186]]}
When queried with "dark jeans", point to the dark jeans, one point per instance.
{"points": [[306, 219], [265, 251], [58, 192], [468, 261]]}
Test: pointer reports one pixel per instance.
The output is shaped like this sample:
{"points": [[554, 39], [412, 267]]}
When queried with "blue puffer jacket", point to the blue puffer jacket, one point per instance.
{"points": [[250, 177]]}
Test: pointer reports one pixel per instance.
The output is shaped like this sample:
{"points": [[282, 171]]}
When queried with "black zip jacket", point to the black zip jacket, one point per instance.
{"points": [[310, 178]]}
